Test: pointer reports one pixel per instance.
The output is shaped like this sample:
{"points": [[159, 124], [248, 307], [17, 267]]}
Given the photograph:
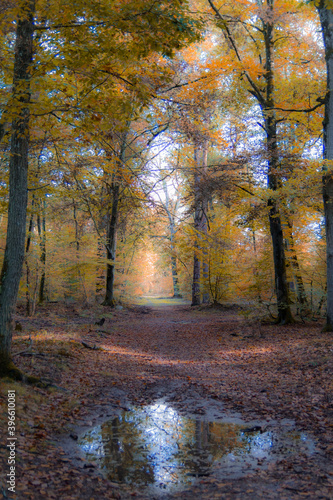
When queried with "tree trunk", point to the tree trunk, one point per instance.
{"points": [[42, 244], [281, 284], [111, 246], [326, 20], [290, 247], [265, 97], [175, 281], [112, 223], [204, 231], [174, 271], [100, 278], [77, 253], [205, 280], [196, 298], [27, 248], [200, 269], [274, 182], [18, 184]]}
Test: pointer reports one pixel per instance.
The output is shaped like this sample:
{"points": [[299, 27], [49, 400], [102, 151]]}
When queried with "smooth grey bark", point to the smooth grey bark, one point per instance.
{"points": [[326, 20], [18, 183]]}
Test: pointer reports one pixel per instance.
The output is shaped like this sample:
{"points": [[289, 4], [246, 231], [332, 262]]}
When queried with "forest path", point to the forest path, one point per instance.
{"points": [[200, 362], [195, 358]]}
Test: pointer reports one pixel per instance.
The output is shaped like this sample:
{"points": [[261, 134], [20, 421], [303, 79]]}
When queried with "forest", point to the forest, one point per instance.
{"points": [[166, 232]]}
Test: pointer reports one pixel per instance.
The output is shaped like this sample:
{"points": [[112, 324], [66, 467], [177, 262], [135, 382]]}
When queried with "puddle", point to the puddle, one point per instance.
{"points": [[157, 449]]}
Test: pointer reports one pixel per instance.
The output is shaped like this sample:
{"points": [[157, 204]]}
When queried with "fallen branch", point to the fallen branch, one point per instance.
{"points": [[28, 353], [19, 353], [93, 347]]}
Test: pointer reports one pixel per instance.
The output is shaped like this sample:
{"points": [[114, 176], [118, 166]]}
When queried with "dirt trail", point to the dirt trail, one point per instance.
{"points": [[196, 360]]}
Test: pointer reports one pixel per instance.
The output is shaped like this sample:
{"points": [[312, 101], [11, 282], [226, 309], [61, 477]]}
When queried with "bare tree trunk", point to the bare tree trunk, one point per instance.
{"points": [[41, 225], [111, 240], [100, 278], [175, 281], [77, 253], [326, 20], [196, 297], [274, 182], [174, 270], [200, 266], [281, 284], [18, 184], [255, 266], [290, 247], [204, 231], [27, 248], [111, 247]]}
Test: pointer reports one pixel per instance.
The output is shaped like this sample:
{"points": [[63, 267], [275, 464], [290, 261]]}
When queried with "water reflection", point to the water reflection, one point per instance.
{"points": [[156, 446]]}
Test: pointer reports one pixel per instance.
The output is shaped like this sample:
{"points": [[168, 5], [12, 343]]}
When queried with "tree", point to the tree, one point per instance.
{"points": [[326, 19], [200, 266], [260, 24], [18, 181]]}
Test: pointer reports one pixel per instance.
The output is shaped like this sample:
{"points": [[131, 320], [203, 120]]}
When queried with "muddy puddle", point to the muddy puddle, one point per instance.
{"points": [[158, 450]]}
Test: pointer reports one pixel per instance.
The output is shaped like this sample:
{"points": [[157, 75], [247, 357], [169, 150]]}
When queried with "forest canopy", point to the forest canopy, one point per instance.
{"points": [[166, 148]]}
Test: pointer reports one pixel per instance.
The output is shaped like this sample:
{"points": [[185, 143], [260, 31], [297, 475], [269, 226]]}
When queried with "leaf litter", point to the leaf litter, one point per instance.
{"points": [[189, 356]]}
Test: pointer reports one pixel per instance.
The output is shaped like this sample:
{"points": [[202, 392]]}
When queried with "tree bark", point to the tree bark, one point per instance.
{"points": [[274, 182], [100, 278], [42, 244], [27, 248], [200, 266], [280, 270], [204, 231], [196, 296], [77, 253], [290, 248], [112, 223], [111, 247], [326, 20], [174, 270], [18, 183], [175, 280]]}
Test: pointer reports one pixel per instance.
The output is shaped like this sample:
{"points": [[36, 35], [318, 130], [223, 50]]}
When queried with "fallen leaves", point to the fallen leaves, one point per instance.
{"points": [[276, 372]]}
